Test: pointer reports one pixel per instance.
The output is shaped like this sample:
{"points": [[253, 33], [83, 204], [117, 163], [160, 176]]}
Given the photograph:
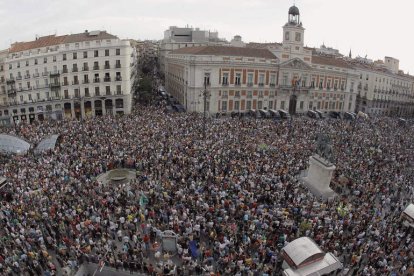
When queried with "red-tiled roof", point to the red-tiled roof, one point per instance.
{"points": [[262, 45], [43, 41], [226, 51], [52, 40], [330, 61]]}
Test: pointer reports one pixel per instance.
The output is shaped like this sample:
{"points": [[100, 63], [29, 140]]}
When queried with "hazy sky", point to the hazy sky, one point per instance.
{"points": [[370, 27]]}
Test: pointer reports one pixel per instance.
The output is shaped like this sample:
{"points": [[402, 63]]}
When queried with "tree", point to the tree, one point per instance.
{"points": [[144, 93]]}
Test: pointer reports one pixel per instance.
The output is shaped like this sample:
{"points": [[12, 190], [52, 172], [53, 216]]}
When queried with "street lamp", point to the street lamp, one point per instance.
{"points": [[205, 93]]}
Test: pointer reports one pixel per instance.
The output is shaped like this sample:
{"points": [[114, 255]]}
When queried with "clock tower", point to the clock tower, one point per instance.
{"points": [[293, 32]]}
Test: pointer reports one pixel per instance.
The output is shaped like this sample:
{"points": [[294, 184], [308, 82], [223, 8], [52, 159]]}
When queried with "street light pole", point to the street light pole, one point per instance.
{"points": [[205, 94]]}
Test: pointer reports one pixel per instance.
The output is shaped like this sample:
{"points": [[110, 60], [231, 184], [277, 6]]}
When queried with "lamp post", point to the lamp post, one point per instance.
{"points": [[205, 94]]}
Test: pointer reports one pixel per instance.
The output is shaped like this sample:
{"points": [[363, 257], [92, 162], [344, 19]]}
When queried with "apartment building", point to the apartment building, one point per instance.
{"points": [[69, 76]]}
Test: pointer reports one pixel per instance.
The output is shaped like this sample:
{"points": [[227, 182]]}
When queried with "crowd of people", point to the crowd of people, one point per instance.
{"points": [[232, 195]]}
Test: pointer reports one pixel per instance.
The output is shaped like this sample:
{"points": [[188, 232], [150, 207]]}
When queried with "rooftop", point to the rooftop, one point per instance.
{"points": [[52, 40], [330, 61], [301, 250], [226, 51]]}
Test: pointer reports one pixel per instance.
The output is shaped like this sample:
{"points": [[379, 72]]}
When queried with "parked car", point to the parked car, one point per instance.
{"points": [[312, 114], [284, 114], [321, 114], [264, 113], [274, 114], [349, 116], [334, 114]]}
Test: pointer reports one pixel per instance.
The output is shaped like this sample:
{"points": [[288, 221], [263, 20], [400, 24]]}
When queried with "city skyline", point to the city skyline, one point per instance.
{"points": [[326, 22]]}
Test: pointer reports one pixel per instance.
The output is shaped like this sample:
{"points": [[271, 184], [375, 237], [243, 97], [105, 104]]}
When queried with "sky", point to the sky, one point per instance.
{"points": [[370, 28]]}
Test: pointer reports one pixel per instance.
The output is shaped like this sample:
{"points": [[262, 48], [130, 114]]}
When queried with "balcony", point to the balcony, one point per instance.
{"points": [[249, 84], [224, 96], [107, 66], [96, 67], [54, 85], [19, 78], [65, 83], [119, 93], [118, 65], [54, 74], [249, 96], [85, 68], [75, 69], [118, 78], [261, 84], [107, 79], [237, 84], [272, 85], [10, 81], [75, 82], [96, 80], [26, 77], [225, 84], [65, 71], [85, 81], [35, 75], [44, 74]]}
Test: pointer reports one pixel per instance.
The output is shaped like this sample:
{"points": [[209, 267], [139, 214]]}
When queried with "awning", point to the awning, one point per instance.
{"points": [[323, 267], [10, 144], [47, 143]]}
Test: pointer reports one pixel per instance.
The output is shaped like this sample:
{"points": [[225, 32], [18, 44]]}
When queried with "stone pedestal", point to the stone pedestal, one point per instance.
{"points": [[319, 177]]}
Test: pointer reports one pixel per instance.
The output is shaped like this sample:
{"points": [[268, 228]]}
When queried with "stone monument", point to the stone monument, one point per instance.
{"points": [[321, 169]]}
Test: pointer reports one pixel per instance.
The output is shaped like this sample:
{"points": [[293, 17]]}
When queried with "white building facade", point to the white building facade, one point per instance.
{"points": [[285, 76], [70, 76]]}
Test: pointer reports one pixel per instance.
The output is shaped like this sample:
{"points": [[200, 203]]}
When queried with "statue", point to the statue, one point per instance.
{"points": [[324, 147]]}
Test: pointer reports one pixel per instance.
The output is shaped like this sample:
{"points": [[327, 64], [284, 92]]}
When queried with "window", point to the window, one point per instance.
{"points": [[238, 79], [47, 95], [207, 79], [250, 79], [301, 105], [97, 91], [282, 105], [87, 92], [35, 62], [310, 105], [118, 63], [27, 63], [270, 105], [118, 52], [248, 105], [108, 90], [249, 94], [75, 55], [85, 54], [38, 96], [237, 94], [272, 80], [225, 79], [298, 37], [286, 35], [118, 90], [224, 105], [285, 79], [107, 52], [261, 79], [259, 105], [96, 53], [236, 105], [64, 56]]}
